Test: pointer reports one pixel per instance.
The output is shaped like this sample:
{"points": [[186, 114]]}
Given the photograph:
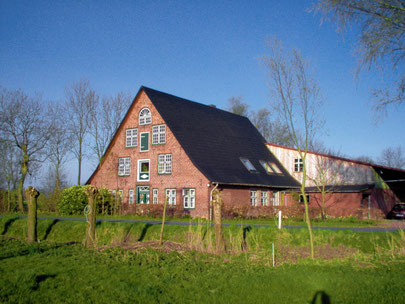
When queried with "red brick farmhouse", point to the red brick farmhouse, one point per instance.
{"points": [[171, 148]]}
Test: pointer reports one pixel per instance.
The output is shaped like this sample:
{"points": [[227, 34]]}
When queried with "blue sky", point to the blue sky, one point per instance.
{"points": [[206, 51]]}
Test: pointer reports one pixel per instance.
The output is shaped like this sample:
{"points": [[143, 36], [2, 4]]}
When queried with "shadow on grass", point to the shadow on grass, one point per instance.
{"points": [[244, 240], [49, 229], [40, 278], [8, 224], [321, 297], [35, 249], [143, 233]]}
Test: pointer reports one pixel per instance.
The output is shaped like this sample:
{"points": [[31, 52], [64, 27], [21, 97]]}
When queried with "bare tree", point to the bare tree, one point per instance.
{"points": [[59, 144], [393, 157], [23, 123], [237, 106], [80, 102], [297, 100], [365, 159], [105, 119], [9, 168], [381, 39]]}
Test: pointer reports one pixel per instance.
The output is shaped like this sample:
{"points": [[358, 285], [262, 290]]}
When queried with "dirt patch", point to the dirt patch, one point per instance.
{"points": [[290, 254]]}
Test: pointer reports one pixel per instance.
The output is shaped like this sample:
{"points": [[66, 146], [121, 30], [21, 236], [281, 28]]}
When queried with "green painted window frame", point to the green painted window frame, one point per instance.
{"points": [[140, 141], [138, 196]]}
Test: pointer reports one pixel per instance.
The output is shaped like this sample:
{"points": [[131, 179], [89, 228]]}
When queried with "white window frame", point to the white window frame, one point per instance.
{"points": [[170, 195], [264, 198], [301, 198], [189, 198], [131, 196], [131, 138], [158, 135], [165, 163], [145, 117], [140, 162], [155, 196], [298, 165], [253, 197], [124, 166]]}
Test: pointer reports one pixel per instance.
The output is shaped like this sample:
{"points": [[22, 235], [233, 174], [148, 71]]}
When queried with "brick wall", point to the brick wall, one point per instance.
{"points": [[184, 173]]}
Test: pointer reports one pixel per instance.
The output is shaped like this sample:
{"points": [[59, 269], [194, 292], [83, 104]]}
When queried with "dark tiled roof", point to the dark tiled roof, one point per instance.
{"points": [[215, 140]]}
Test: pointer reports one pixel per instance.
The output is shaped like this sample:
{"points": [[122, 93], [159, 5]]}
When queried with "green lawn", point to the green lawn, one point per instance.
{"points": [[351, 267]]}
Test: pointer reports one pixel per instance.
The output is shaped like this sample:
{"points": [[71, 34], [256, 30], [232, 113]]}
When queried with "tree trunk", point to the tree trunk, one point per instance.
{"points": [[323, 208], [163, 222], [8, 197], [79, 159], [307, 218], [24, 171], [91, 193], [32, 195], [57, 183], [217, 203]]}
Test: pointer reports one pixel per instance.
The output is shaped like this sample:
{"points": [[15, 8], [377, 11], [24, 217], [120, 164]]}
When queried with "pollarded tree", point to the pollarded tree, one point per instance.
{"points": [[25, 124], [382, 39], [79, 104], [296, 99]]}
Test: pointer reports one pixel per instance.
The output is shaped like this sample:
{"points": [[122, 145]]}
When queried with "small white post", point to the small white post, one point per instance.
{"points": [[279, 219], [272, 246]]}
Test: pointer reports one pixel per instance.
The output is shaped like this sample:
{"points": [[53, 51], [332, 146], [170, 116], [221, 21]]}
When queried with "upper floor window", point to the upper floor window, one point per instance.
{"points": [[158, 134], [145, 117], [248, 164], [131, 139], [124, 166], [298, 165], [165, 164]]}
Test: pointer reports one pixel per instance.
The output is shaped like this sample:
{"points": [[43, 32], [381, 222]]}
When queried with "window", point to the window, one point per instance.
{"points": [[165, 164], [189, 198], [145, 117], [142, 194], [131, 139], [248, 164], [276, 199], [302, 198], [159, 135], [270, 167], [253, 197], [171, 196], [130, 196], [120, 195], [155, 193], [298, 165], [143, 170], [144, 142], [265, 198], [124, 166]]}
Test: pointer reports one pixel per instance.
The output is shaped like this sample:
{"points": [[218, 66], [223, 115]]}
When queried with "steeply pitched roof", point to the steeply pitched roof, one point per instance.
{"points": [[215, 140]]}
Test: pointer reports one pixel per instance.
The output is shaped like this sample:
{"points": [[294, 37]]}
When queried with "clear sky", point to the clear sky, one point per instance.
{"points": [[205, 51]]}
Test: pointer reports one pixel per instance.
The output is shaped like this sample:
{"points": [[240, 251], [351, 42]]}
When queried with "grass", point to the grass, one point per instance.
{"points": [[351, 267]]}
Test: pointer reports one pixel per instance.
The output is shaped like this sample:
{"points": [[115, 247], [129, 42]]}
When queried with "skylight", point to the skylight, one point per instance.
{"points": [[270, 167], [248, 164]]}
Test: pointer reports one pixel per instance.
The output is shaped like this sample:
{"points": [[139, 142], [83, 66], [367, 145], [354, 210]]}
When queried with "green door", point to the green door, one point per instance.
{"points": [[144, 142], [142, 194]]}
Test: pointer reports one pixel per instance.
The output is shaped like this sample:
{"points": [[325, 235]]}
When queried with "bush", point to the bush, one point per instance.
{"points": [[73, 200]]}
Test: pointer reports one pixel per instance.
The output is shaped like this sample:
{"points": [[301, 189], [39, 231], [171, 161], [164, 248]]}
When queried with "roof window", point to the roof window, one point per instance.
{"points": [[248, 164], [270, 167]]}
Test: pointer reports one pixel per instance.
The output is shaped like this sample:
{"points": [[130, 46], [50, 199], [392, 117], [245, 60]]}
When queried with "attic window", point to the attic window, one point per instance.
{"points": [[145, 117], [270, 167], [248, 164]]}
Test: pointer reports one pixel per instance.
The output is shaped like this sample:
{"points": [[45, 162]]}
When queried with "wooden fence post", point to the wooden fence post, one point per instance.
{"points": [[91, 192], [32, 194], [217, 203]]}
